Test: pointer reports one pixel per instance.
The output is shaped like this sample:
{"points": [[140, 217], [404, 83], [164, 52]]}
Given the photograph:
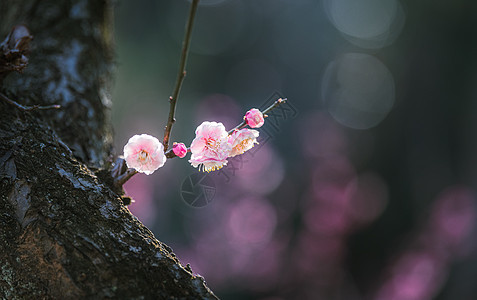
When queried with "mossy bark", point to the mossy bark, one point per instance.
{"points": [[64, 233]]}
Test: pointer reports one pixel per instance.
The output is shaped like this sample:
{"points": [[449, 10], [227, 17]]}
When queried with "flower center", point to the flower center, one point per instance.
{"points": [[212, 143], [143, 156], [244, 145]]}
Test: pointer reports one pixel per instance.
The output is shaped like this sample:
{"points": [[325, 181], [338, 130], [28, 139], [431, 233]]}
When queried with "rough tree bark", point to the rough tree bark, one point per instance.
{"points": [[64, 232]]}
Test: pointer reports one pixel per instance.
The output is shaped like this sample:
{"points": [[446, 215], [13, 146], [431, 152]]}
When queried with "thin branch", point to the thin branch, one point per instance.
{"points": [[265, 112], [273, 106], [181, 74], [28, 108], [238, 127], [119, 181], [170, 154]]}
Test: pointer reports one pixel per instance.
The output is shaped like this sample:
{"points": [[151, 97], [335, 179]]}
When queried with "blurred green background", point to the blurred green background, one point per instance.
{"points": [[363, 188]]}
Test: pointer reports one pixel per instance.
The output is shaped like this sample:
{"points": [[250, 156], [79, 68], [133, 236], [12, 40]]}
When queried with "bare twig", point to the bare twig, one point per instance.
{"points": [[123, 178], [181, 74], [265, 112], [170, 154], [27, 108]]}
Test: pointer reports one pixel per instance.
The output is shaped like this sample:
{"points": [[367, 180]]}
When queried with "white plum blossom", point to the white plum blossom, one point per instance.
{"points": [[144, 153], [242, 140], [210, 147]]}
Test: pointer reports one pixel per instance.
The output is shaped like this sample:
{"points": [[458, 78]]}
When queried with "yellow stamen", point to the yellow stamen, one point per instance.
{"points": [[143, 155]]}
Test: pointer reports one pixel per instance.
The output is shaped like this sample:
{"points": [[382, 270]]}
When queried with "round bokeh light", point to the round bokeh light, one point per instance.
{"points": [[358, 90]]}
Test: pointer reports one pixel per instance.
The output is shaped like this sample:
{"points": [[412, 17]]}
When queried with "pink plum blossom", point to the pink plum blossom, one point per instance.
{"points": [[144, 153], [179, 149], [254, 118], [242, 140], [210, 148]]}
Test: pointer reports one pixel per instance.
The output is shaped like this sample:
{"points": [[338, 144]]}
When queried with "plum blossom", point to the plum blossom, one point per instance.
{"points": [[210, 148], [179, 149], [242, 140], [144, 153], [254, 118]]}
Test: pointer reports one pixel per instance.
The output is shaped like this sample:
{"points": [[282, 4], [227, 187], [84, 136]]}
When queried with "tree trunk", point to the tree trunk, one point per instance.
{"points": [[64, 231]]}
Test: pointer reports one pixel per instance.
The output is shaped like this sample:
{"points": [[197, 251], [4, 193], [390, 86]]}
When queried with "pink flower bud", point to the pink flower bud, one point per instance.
{"points": [[254, 118], [144, 153], [179, 149]]}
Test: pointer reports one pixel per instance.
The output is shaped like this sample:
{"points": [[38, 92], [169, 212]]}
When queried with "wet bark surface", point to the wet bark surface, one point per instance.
{"points": [[64, 233]]}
